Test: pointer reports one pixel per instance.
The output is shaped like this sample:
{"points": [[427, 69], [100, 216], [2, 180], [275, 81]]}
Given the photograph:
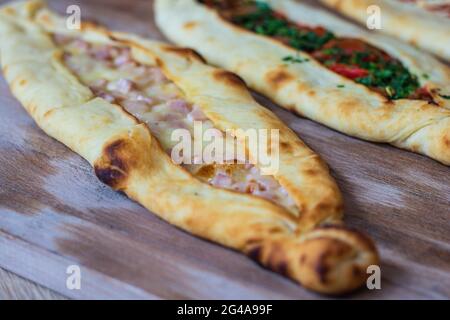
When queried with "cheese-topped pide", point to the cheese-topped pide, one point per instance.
{"points": [[363, 84], [115, 99], [145, 92]]}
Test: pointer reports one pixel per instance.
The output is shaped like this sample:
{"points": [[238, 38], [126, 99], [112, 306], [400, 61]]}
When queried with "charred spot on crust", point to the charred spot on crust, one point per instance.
{"points": [[229, 78], [113, 38], [446, 141], [277, 260], [110, 176], [389, 103], [322, 269], [281, 268], [325, 255], [324, 263], [190, 25], [356, 271], [324, 206], [112, 169], [276, 230], [303, 259], [159, 63], [185, 53], [279, 78], [328, 226], [49, 113], [112, 151], [416, 147], [255, 253], [89, 24], [285, 147], [18, 82], [293, 108], [206, 171], [312, 172]]}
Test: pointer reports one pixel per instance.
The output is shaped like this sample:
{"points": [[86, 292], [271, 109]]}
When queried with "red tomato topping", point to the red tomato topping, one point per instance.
{"points": [[351, 72], [320, 31], [349, 45], [422, 94]]}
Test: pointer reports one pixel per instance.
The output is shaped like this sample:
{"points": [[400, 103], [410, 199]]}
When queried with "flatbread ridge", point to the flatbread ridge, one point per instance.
{"points": [[313, 249], [310, 89]]}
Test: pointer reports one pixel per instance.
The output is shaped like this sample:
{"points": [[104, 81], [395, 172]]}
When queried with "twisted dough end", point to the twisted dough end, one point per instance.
{"points": [[329, 259]]}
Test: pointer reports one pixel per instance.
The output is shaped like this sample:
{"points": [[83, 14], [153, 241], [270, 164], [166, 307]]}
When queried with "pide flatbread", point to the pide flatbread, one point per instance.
{"points": [[113, 98], [366, 85], [425, 23]]}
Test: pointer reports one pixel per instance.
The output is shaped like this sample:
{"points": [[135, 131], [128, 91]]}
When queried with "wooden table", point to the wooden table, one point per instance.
{"points": [[55, 213]]}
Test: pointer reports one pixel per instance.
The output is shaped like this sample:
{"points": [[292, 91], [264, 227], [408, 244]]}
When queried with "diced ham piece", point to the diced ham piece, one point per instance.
{"points": [[283, 191], [268, 183], [221, 180], [264, 194], [254, 171], [137, 95], [123, 86], [145, 99], [179, 124], [169, 117], [248, 166], [67, 56], [140, 73], [99, 83], [240, 186], [196, 114], [179, 105], [252, 187], [80, 44], [105, 53], [108, 97], [123, 58], [136, 108], [157, 75], [61, 39]]}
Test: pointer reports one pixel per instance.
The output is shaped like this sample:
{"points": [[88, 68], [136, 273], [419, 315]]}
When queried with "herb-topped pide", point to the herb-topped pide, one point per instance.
{"points": [[351, 58]]}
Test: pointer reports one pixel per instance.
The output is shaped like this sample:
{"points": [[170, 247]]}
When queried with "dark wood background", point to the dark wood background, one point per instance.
{"points": [[55, 213]]}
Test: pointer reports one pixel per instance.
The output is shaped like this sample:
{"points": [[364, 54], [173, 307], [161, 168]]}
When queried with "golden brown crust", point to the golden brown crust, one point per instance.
{"points": [[312, 90], [128, 158], [185, 52], [412, 24]]}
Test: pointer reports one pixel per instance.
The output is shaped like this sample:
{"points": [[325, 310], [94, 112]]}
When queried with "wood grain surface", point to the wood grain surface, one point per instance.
{"points": [[13, 287], [54, 213]]}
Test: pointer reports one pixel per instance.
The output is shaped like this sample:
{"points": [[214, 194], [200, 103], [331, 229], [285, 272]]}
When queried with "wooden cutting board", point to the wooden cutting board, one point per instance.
{"points": [[55, 213]]}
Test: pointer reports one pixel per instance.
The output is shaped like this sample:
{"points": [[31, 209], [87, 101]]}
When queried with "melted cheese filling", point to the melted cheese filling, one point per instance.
{"points": [[144, 91]]}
